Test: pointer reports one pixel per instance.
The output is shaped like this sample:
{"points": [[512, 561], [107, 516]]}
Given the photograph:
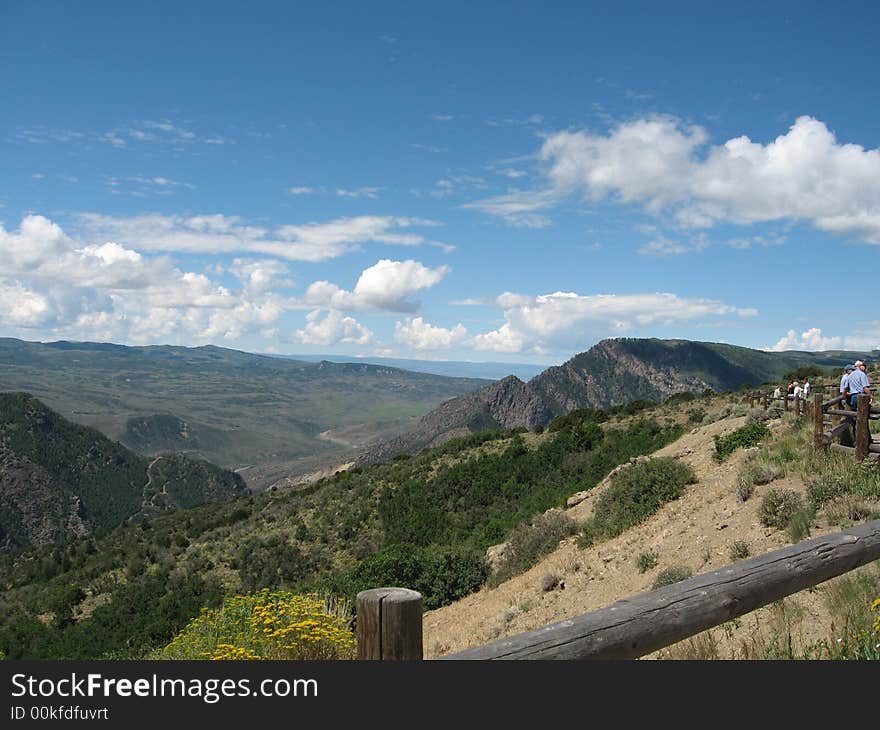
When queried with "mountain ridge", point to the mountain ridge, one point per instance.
{"points": [[612, 372], [450, 368]]}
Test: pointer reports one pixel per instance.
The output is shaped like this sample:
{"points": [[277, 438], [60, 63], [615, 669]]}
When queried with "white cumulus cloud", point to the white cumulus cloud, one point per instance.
{"points": [[21, 307], [333, 329], [259, 275], [665, 165], [814, 340], [420, 335], [566, 320], [108, 291], [386, 285]]}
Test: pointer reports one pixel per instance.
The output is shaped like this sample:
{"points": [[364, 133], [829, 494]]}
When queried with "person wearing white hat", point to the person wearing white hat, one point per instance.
{"points": [[858, 384]]}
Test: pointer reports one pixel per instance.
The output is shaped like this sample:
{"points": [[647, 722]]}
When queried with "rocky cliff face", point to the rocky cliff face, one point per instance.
{"points": [[505, 404], [512, 403], [31, 513], [614, 372]]}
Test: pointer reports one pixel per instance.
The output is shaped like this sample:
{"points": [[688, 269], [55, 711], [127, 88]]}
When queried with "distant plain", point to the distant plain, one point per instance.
{"points": [[268, 417]]}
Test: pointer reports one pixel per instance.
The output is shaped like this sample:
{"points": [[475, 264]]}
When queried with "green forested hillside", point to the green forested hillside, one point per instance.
{"points": [[423, 521], [60, 480]]}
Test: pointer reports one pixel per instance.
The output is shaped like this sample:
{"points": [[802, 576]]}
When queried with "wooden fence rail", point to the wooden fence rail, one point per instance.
{"points": [[848, 431], [641, 624], [834, 425]]}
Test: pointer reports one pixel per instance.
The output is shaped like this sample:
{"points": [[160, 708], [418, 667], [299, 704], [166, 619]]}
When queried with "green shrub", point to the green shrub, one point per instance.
{"points": [[696, 415], [744, 489], [739, 550], [743, 437], [676, 398], [441, 575], [805, 372], [752, 473], [673, 574], [637, 492], [846, 509], [647, 560], [757, 415], [799, 524], [764, 473], [779, 506], [575, 418], [529, 542], [271, 562]]}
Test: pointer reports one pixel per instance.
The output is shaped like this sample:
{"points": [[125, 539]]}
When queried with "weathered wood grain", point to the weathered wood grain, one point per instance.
{"points": [[818, 427], [850, 414], [644, 623], [863, 435], [389, 624], [837, 431]]}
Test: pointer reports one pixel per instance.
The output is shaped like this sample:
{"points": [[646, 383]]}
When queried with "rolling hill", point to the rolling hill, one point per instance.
{"points": [[59, 480], [449, 368]]}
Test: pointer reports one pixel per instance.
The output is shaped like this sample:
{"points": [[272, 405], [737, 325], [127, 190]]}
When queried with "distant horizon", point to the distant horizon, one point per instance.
{"points": [[343, 355], [394, 182]]}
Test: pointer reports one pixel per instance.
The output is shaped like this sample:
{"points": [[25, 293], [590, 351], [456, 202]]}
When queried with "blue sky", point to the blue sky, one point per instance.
{"points": [[471, 181]]}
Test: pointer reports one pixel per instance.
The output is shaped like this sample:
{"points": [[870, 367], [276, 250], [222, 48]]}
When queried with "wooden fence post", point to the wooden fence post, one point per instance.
{"points": [[797, 406], [785, 402], [818, 428], [389, 624], [863, 436]]}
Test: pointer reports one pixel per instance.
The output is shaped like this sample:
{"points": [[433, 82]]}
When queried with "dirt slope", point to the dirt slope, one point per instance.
{"points": [[696, 531]]}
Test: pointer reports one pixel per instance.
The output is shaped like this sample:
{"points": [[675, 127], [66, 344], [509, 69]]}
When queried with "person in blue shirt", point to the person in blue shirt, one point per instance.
{"points": [[847, 370], [858, 384]]}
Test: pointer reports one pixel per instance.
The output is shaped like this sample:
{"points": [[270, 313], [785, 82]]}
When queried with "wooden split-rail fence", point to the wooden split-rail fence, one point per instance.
{"points": [[841, 429], [835, 426], [389, 620]]}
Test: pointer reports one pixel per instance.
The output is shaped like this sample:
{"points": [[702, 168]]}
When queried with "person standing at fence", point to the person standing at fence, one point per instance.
{"points": [[798, 392], [777, 393], [846, 373], [858, 384], [807, 388]]}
